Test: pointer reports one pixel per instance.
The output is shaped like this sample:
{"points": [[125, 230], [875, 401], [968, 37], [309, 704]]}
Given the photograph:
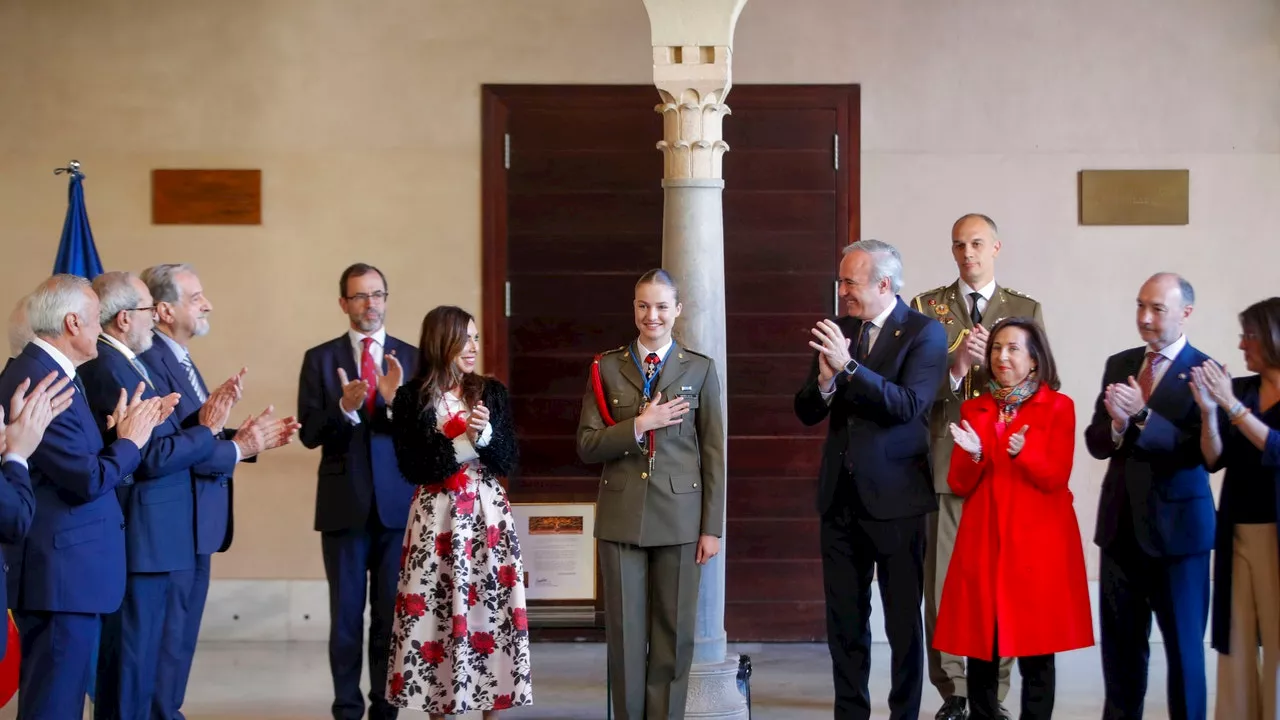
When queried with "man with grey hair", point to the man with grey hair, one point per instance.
{"points": [[874, 375], [182, 311], [71, 567], [19, 329], [159, 507]]}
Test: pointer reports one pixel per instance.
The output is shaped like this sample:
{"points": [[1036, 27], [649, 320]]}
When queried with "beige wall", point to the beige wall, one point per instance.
{"points": [[364, 118]]}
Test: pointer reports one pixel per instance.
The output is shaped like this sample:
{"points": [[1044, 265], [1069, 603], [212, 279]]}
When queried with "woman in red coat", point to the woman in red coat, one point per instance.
{"points": [[1016, 584]]}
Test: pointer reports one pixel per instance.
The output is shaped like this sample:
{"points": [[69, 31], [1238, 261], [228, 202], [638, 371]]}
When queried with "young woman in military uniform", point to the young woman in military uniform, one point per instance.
{"points": [[652, 415]]}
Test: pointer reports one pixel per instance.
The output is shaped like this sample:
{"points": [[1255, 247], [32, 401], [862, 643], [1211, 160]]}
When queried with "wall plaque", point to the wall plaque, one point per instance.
{"points": [[1134, 197], [206, 197]]}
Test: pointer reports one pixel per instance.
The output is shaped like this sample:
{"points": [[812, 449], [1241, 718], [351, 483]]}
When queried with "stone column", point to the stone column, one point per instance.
{"points": [[692, 47]]}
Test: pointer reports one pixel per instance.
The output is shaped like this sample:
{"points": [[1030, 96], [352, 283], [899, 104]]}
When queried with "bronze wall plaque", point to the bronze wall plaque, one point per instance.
{"points": [[1134, 197], [206, 197]]}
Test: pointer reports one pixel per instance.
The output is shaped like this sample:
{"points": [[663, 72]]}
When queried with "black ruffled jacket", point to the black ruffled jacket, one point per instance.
{"points": [[425, 455]]}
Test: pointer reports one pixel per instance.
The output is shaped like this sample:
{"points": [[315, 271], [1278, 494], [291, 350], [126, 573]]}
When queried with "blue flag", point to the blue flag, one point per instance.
{"points": [[77, 254]]}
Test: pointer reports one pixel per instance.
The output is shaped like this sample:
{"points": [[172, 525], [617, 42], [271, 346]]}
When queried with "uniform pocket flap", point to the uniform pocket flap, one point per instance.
{"points": [[685, 484], [691, 399]]}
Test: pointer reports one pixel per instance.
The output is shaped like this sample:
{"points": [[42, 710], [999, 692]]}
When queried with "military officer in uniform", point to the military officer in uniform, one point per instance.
{"points": [[652, 414], [967, 308]]}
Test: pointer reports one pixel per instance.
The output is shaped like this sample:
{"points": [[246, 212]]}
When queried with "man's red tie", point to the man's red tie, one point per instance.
{"points": [[1146, 381], [368, 373]]}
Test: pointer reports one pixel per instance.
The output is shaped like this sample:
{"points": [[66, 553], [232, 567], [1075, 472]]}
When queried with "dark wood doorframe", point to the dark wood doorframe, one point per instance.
{"points": [[496, 100]]}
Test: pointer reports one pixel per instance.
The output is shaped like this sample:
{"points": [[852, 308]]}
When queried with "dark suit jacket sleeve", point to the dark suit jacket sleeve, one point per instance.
{"points": [[17, 502], [424, 455], [711, 441], [222, 461], [1045, 460], [923, 369], [809, 406], [321, 417], [502, 454], [63, 460], [162, 455]]}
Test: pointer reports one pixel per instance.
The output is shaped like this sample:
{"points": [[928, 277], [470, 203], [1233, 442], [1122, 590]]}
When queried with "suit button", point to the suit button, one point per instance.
{"points": [[615, 401], [644, 476], [606, 482], [695, 484], [122, 525], [223, 483], [976, 393], [6, 567]]}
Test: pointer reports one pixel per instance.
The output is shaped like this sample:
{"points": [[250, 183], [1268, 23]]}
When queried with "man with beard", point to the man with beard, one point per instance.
{"points": [[157, 498], [182, 313], [362, 500]]}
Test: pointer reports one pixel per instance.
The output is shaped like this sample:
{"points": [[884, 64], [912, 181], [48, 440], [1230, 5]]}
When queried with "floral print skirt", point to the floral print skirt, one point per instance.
{"points": [[460, 637]]}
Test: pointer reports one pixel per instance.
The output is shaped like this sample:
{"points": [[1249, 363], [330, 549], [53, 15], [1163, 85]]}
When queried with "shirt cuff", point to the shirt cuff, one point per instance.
{"points": [[15, 458], [1117, 437], [955, 381], [485, 436], [237, 447], [352, 416]]}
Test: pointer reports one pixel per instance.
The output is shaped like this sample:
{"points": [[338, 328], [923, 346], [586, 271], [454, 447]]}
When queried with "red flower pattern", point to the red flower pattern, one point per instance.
{"points": [[461, 654], [444, 544], [507, 576], [454, 426], [482, 642]]}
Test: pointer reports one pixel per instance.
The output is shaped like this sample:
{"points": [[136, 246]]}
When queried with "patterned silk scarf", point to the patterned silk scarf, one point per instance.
{"points": [[1009, 399]]}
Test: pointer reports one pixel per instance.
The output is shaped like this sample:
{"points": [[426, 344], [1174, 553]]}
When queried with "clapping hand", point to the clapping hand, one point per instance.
{"points": [[1216, 383], [477, 421], [966, 438], [1017, 441]]}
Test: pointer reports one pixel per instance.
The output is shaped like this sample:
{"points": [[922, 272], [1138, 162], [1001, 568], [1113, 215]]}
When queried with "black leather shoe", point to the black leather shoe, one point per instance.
{"points": [[953, 709]]}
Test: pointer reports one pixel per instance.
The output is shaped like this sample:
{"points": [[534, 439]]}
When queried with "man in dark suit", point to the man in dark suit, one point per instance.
{"points": [[73, 559], [182, 314], [29, 416], [159, 507], [1155, 515], [362, 500], [875, 375]]}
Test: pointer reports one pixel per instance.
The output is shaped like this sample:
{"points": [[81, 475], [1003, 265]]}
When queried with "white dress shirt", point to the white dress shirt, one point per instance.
{"points": [[877, 324]]}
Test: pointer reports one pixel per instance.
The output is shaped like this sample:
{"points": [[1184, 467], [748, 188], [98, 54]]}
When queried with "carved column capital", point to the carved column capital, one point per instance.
{"points": [[692, 81]]}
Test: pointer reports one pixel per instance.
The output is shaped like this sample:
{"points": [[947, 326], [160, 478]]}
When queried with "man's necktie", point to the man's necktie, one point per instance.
{"points": [[80, 388], [368, 373], [194, 378], [974, 313], [1147, 379], [864, 341]]}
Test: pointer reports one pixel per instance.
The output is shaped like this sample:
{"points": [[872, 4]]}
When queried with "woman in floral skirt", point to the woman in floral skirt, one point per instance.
{"points": [[460, 638]]}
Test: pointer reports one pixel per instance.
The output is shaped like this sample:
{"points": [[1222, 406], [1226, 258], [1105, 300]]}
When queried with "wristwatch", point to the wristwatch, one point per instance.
{"points": [[1140, 417], [851, 367]]}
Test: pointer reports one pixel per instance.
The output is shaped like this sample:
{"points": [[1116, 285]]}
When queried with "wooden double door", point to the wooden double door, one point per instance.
{"points": [[573, 215]]}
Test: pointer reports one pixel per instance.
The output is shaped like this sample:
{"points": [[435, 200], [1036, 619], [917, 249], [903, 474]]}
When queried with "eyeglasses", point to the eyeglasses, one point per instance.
{"points": [[366, 297], [1248, 336], [151, 310]]}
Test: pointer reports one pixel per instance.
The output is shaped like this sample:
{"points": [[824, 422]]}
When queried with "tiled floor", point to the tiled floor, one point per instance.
{"points": [[244, 680]]}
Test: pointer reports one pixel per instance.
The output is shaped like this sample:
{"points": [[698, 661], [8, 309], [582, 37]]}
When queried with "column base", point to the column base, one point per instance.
{"points": [[713, 691]]}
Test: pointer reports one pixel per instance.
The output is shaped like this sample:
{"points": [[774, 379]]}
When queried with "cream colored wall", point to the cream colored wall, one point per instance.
{"points": [[364, 118]]}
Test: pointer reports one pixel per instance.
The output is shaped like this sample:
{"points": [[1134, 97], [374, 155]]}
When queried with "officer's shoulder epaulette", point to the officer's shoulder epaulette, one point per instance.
{"points": [[1019, 293], [695, 352], [927, 293], [622, 348]]}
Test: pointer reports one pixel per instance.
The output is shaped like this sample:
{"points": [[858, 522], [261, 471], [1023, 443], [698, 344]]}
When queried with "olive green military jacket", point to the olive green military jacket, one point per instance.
{"points": [[684, 495], [948, 306]]}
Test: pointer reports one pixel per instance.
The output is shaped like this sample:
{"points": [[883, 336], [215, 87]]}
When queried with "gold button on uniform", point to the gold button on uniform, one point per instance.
{"points": [[644, 476], [976, 393], [695, 484]]}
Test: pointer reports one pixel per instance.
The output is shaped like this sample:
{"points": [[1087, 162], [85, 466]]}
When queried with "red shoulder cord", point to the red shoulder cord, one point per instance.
{"points": [[597, 386]]}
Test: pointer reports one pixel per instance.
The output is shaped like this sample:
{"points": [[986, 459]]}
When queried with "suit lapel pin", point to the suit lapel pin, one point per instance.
{"points": [[897, 333], [1182, 376], [686, 388]]}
